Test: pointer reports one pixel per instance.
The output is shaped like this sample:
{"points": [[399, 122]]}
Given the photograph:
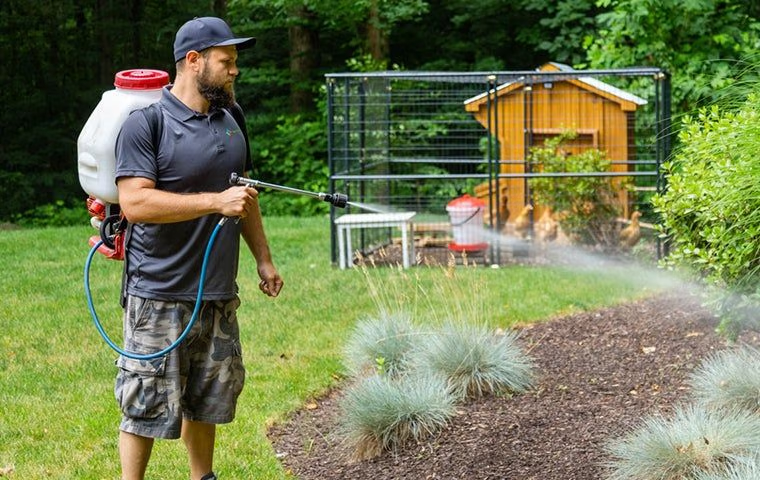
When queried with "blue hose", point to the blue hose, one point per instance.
{"points": [[190, 324]]}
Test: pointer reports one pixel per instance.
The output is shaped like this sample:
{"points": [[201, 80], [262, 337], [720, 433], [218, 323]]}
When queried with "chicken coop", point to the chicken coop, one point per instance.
{"points": [[411, 143], [600, 116]]}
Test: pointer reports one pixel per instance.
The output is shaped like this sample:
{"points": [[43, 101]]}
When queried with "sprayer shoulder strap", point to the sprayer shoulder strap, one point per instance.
{"points": [[237, 113], [156, 123]]}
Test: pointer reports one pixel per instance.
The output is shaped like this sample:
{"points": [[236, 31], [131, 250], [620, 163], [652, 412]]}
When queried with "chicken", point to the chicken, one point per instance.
{"points": [[498, 213], [546, 227], [522, 222], [630, 235], [503, 209]]}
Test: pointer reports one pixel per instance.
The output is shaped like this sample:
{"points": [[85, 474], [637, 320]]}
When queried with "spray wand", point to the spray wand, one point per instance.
{"points": [[335, 199]]}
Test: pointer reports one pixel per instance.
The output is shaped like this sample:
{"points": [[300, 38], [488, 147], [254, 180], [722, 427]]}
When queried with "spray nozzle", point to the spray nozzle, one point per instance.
{"points": [[335, 199]]}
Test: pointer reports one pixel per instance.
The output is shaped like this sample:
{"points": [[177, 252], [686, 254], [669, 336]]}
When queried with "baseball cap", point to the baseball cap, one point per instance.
{"points": [[205, 32]]}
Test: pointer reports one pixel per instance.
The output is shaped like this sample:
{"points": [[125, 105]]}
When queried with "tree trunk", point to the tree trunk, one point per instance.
{"points": [[220, 8], [304, 57], [377, 40]]}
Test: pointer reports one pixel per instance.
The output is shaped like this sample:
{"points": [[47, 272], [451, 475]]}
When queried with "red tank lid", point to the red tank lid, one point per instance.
{"points": [[141, 79], [466, 201]]}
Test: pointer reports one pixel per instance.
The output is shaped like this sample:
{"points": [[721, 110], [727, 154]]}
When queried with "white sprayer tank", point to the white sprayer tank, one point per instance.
{"points": [[96, 156]]}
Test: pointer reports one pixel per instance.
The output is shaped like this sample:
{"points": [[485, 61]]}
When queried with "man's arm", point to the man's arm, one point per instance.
{"points": [[253, 233], [142, 202]]}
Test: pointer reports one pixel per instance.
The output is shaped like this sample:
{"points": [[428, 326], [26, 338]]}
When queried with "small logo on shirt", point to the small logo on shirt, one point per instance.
{"points": [[231, 132]]}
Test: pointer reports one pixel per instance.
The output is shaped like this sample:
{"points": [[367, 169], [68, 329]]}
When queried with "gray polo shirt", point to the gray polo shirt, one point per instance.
{"points": [[197, 153]]}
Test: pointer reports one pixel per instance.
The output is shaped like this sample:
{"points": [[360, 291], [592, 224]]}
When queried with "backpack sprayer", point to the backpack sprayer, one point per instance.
{"points": [[136, 89]]}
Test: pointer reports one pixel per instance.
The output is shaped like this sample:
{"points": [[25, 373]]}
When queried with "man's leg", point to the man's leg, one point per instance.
{"points": [[134, 451], [199, 439]]}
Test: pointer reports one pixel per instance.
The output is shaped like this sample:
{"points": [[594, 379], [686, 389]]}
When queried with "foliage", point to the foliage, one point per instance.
{"points": [[381, 414], [18, 193], [474, 360], [584, 205], [52, 86], [462, 35], [728, 379], [57, 214], [292, 155], [712, 207], [703, 43], [695, 441], [562, 26], [381, 342], [60, 57]]}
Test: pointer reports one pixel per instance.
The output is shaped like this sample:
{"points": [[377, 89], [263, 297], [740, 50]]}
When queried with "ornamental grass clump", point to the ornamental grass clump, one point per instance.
{"points": [[382, 414], [474, 360], [744, 469], [729, 379], [380, 344], [694, 442]]}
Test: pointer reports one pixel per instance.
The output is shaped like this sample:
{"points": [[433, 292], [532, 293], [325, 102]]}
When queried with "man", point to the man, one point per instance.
{"points": [[174, 194]]}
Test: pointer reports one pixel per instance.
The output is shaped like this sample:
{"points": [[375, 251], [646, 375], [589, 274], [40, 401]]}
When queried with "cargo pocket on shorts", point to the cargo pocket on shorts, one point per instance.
{"points": [[140, 387], [238, 370]]}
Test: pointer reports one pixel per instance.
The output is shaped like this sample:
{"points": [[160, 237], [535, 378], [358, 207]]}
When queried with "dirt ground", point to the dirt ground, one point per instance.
{"points": [[601, 372]]}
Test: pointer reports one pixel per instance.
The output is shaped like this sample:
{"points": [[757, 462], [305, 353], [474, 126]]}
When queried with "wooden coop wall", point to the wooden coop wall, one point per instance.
{"points": [[525, 116]]}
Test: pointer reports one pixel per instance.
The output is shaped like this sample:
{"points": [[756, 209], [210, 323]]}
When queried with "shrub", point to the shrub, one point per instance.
{"points": [[291, 154], [381, 414], [57, 214], [473, 360], [585, 206], [711, 209], [380, 343], [729, 379], [694, 442]]}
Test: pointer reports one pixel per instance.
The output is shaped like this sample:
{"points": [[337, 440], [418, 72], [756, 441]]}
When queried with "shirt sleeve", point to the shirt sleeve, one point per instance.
{"points": [[135, 155]]}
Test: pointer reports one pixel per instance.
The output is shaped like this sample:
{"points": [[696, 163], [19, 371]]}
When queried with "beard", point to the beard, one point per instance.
{"points": [[217, 95]]}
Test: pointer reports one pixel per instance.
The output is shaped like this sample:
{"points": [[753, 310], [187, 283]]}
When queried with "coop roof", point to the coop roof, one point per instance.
{"points": [[627, 101]]}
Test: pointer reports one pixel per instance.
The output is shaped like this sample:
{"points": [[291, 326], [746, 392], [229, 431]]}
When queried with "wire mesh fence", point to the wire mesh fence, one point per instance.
{"points": [[519, 143]]}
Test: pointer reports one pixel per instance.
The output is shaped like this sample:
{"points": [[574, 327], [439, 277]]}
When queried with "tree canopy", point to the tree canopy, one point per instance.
{"points": [[60, 56]]}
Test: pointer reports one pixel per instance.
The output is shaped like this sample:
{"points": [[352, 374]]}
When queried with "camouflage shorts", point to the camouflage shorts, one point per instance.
{"points": [[199, 381]]}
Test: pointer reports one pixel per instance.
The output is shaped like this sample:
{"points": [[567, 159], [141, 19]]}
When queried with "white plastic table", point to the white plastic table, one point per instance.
{"points": [[346, 223]]}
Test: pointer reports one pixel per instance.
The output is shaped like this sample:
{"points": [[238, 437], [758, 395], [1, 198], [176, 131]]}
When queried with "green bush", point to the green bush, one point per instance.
{"points": [[694, 442], [711, 209], [728, 379], [56, 214], [381, 414], [473, 360], [292, 154], [380, 344], [585, 206]]}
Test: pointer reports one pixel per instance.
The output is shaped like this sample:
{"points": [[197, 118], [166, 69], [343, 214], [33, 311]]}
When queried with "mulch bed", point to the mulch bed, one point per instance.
{"points": [[601, 372]]}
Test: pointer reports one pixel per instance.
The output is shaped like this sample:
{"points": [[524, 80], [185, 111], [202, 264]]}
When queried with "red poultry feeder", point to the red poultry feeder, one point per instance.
{"points": [[466, 216]]}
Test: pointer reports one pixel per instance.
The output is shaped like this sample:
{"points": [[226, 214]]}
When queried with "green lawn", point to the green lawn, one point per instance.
{"points": [[58, 418]]}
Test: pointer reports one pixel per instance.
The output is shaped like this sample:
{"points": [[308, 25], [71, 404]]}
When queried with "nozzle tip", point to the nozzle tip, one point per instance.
{"points": [[337, 199]]}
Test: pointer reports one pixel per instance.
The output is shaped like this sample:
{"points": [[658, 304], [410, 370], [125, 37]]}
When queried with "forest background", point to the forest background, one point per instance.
{"points": [[59, 56]]}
